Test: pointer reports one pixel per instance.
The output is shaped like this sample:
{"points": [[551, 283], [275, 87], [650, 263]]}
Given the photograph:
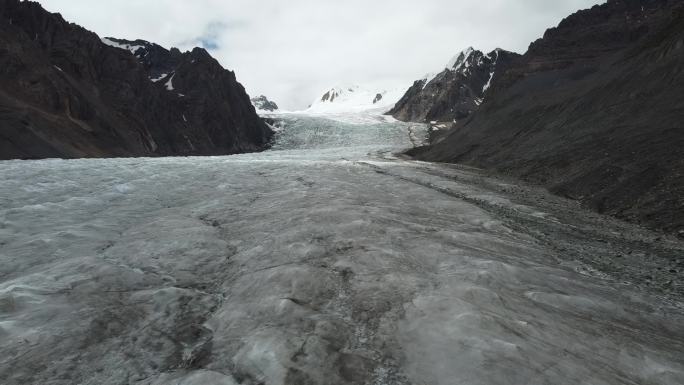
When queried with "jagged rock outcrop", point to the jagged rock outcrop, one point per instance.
{"points": [[594, 111], [263, 104], [455, 93], [64, 92]]}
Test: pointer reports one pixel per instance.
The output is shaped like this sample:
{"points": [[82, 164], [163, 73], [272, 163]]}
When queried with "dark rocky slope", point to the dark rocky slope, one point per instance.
{"points": [[594, 111], [64, 93], [455, 93]]}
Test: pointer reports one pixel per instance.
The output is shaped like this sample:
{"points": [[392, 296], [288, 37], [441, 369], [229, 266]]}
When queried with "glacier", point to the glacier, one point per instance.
{"points": [[330, 259]]}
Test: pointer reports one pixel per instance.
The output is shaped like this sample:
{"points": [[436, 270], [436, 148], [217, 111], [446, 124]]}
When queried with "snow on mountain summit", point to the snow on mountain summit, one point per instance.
{"points": [[461, 59], [355, 98], [264, 105], [457, 91]]}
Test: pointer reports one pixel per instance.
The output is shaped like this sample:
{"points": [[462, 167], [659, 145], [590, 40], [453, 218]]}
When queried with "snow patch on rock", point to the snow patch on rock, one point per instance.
{"points": [[128, 47], [161, 77], [169, 84]]}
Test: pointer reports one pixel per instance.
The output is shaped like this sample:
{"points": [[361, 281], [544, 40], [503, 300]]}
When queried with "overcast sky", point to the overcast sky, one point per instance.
{"points": [[291, 50]]}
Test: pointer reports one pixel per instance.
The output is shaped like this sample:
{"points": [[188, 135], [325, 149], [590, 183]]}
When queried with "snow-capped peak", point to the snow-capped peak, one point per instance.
{"points": [[340, 92], [355, 98], [263, 105], [465, 62], [460, 60]]}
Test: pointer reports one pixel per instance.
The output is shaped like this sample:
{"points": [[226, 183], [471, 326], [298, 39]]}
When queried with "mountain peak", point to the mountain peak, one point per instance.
{"points": [[350, 98], [460, 58], [262, 104], [455, 92], [103, 103]]}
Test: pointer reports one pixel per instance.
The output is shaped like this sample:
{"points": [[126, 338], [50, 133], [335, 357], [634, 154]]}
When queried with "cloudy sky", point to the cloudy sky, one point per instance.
{"points": [[291, 50]]}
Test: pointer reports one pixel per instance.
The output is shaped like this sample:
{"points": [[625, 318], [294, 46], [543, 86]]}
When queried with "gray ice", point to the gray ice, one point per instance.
{"points": [[326, 260]]}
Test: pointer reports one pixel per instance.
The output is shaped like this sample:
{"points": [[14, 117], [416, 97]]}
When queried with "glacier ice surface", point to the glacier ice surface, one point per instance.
{"points": [[327, 260]]}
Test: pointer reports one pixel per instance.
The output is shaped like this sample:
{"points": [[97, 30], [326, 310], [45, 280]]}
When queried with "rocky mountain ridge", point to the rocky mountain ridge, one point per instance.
{"points": [[261, 103], [593, 111], [456, 92], [67, 93]]}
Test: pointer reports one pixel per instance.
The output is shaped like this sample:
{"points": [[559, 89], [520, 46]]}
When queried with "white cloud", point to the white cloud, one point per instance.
{"points": [[292, 50]]}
